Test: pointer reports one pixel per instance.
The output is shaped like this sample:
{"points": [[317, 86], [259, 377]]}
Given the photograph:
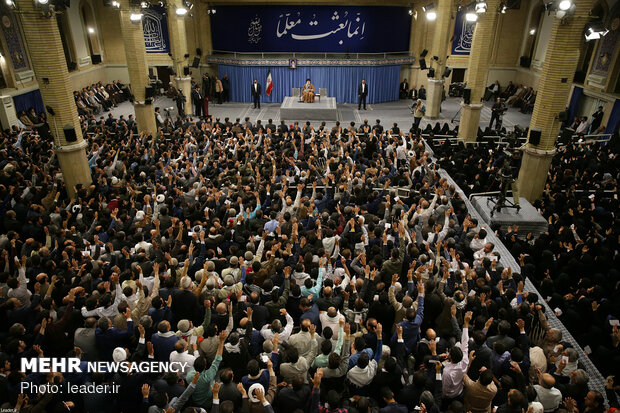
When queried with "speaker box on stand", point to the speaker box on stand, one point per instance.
{"points": [[422, 64], [196, 62], [467, 96], [186, 71], [70, 135], [534, 138]]}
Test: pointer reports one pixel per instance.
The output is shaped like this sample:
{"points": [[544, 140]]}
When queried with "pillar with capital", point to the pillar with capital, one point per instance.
{"points": [[178, 48], [478, 70], [439, 50], [50, 67], [553, 89], [135, 54]]}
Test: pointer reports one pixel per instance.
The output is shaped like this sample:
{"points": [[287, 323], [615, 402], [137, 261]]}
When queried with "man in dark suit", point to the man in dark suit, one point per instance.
{"points": [[197, 99], [362, 92], [256, 91], [404, 89]]}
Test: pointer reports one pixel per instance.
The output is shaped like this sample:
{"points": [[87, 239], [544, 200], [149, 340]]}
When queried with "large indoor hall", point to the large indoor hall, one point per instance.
{"points": [[251, 206]]}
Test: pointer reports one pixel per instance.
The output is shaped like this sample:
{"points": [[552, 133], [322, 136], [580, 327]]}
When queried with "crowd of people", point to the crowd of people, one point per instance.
{"points": [[574, 264], [294, 269], [99, 98]]}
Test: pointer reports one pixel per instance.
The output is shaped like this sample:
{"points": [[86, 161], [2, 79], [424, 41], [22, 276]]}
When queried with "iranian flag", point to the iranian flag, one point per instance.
{"points": [[269, 84]]}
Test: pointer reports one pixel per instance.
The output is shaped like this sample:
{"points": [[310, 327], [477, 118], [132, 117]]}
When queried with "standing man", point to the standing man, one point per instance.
{"points": [[404, 89], [197, 99], [180, 104], [256, 91], [206, 85], [597, 118], [362, 92], [496, 112], [418, 113], [225, 88]]}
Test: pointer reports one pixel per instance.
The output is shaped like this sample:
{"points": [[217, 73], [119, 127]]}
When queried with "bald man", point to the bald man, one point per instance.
{"points": [[331, 319], [546, 393], [302, 341]]}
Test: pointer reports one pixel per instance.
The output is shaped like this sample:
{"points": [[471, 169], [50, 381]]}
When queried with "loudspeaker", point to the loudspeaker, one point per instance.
{"points": [[72, 66], [562, 116], [95, 59], [431, 73], [186, 55], [424, 52], [525, 61], [186, 70], [171, 71], [199, 51], [535, 137], [149, 92], [50, 110], [148, 101], [70, 135], [467, 96], [196, 62], [446, 73], [422, 64]]}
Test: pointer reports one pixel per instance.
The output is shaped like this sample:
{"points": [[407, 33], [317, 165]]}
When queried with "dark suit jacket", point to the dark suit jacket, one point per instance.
{"points": [[359, 90], [483, 359], [196, 97], [258, 90]]}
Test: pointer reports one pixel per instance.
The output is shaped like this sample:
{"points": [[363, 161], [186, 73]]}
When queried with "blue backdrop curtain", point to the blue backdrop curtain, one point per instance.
{"points": [[341, 82], [614, 118], [29, 100], [574, 104]]}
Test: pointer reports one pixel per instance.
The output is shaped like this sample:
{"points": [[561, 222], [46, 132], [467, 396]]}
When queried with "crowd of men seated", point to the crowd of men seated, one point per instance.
{"points": [[287, 269], [574, 265], [98, 98], [514, 95]]}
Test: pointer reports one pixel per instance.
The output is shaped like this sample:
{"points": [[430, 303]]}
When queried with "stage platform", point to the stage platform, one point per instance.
{"points": [[293, 109], [528, 219]]}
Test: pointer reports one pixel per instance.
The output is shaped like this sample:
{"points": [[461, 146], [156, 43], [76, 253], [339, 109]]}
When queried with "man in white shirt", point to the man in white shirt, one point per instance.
{"points": [[454, 371], [583, 126], [331, 319], [546, 393], [184, 357], [269, 330]]}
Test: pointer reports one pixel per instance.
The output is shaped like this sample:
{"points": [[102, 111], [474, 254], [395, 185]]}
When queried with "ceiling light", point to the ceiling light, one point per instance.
{"points": [[481, 7], [43, 1], [116, 4], [135, 17], [532, 32], [471, 17], [91, 30], [181, 11], [144, 5], [431, 15], [504, 8], [565, 5], [595, 30], [410, 12], [428, 7]]}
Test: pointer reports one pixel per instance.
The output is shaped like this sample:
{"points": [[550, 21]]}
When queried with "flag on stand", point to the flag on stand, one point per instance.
{"points": [[269, 84]]}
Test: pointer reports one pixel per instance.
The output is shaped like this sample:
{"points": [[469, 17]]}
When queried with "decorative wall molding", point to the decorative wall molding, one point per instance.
{"points": [[406, 60]]}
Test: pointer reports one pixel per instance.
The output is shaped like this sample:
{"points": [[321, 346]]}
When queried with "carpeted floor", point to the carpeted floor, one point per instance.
{"points": [[389, 113]]}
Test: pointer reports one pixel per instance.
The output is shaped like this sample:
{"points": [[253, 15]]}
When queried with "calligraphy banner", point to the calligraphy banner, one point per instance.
{"points": [[603, 61], [323, 29], [155, 28], [463, 34], [14, 42]]}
